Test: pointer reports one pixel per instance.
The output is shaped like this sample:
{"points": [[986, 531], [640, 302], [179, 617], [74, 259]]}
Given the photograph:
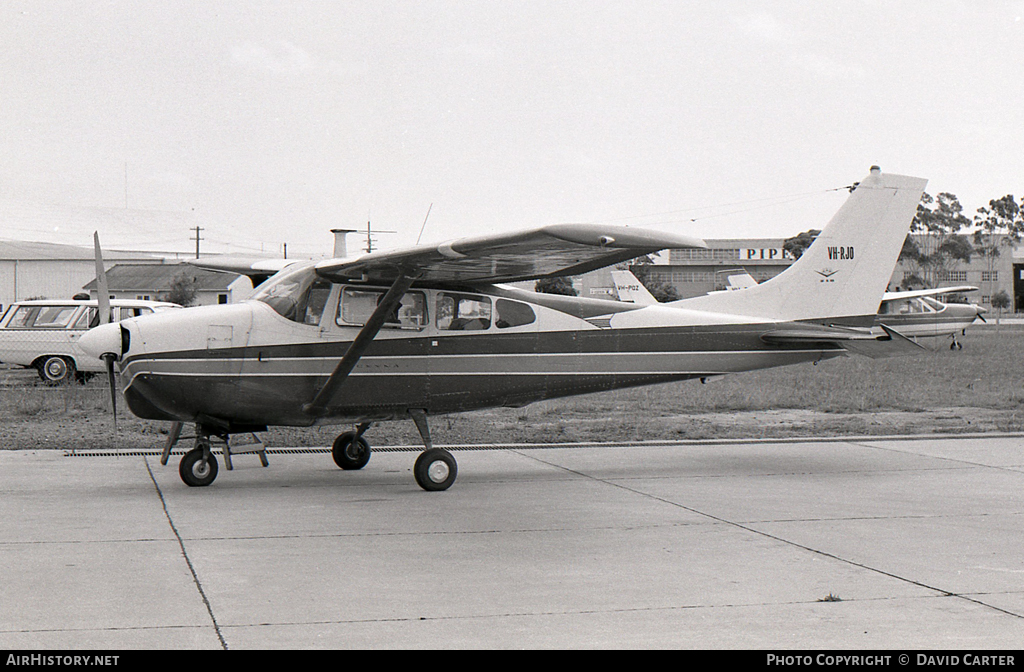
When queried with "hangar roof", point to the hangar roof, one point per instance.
{"points": [[22, 250]]}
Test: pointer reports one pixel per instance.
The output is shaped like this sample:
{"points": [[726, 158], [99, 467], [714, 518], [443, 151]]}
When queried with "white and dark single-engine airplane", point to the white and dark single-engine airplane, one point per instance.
{"points": [[920, 314], [436, 329]]}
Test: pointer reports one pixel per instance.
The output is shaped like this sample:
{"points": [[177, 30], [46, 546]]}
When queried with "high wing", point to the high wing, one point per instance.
{"points": [[550, 251], [893, 296]]}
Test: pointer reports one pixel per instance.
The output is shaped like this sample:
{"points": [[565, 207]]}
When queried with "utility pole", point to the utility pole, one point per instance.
{"points": [[197, 239]]}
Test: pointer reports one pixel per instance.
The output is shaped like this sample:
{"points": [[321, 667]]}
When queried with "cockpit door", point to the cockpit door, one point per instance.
{"points": [[391, 375]]}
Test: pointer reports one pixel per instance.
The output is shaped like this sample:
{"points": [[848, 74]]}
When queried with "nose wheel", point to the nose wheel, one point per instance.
{"points": [[198, 467]]}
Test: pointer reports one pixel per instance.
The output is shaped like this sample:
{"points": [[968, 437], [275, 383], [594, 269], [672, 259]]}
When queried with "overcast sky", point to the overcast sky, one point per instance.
{"points": [[273, 122]]}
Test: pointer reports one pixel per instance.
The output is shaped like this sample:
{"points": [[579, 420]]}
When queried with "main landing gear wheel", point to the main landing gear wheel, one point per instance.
{"points": [[197, 469], [435, 469], [350, 451]]}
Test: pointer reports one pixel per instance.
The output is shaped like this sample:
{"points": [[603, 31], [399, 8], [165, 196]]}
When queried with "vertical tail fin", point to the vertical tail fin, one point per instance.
{"points": [[632, 290], [844, 272]]}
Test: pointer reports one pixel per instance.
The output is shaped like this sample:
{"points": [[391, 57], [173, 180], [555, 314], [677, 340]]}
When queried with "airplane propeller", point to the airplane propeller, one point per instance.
{"points": [[103, 306]]}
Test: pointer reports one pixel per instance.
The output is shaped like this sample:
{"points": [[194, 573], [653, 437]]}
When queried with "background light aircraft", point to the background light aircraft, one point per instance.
{"points": [[913, 314], [919, 314], [630, 290], [430, 329]]}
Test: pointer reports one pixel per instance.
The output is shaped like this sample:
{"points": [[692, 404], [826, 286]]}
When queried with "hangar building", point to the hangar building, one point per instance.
{"points": [[151, 282], [47, 270]]}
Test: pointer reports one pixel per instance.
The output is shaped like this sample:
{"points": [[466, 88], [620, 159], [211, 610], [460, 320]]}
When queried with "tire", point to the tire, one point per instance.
{"points": [[55, 370], [194, 472], [350, 452], [435, 470]]}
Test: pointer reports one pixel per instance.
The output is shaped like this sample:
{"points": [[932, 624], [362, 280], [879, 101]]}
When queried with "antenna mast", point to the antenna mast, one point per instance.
{"points": [[369, 236]]}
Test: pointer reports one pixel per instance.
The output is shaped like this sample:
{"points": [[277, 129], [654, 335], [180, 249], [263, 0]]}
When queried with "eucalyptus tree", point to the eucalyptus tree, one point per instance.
{"points": [[999, 226]]}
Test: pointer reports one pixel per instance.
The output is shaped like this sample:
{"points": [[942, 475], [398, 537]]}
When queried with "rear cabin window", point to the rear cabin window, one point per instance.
{"points": [[357, 305], [513, 314], [463, 312]]}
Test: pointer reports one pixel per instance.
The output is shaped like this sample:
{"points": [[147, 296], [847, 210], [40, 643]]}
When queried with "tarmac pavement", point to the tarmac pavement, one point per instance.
{"points": [[856, 544]]}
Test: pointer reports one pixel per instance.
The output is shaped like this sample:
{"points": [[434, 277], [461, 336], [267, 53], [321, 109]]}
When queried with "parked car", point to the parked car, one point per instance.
{"points": [[43, 334]]}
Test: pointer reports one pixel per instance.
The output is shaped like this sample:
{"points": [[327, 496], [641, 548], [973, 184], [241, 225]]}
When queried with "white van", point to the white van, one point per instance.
{"points": [[43, 334]]}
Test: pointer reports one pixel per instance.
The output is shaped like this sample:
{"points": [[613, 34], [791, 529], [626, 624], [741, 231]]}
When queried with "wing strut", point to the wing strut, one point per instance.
{"points": [[318, 406]]}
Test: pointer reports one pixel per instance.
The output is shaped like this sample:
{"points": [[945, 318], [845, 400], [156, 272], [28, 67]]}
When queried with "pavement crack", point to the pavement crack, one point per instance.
{"points": [[184, 554], [767, 535]]}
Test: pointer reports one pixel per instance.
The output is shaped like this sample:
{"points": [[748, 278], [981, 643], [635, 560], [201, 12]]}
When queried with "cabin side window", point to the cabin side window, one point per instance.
{"points": [[513, 314], [357, 304], [914, 306], [462, 312]]}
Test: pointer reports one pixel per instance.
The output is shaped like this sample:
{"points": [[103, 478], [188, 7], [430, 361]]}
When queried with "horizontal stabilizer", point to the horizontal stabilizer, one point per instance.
{"points": [[869, 343], [893, 344], [815, 334]]}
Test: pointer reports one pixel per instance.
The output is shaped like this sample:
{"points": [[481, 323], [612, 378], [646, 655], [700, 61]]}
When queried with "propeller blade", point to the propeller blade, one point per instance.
{"points": [[982, 318], [102, 290], [108, 359]]}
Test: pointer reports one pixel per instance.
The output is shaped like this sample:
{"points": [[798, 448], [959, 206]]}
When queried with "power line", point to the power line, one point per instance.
{"points": [[767, 202]]}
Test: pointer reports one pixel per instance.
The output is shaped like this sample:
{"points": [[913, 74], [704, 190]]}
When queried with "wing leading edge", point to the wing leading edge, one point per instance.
{"points": [[550, 251], [910, 294]]}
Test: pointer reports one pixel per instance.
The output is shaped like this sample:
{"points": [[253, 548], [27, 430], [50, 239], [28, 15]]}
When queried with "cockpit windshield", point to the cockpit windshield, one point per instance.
{"points": [[297, 294]]}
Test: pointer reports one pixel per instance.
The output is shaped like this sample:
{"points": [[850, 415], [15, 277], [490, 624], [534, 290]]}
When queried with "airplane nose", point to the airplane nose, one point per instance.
{"points": [[102, 340]]}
